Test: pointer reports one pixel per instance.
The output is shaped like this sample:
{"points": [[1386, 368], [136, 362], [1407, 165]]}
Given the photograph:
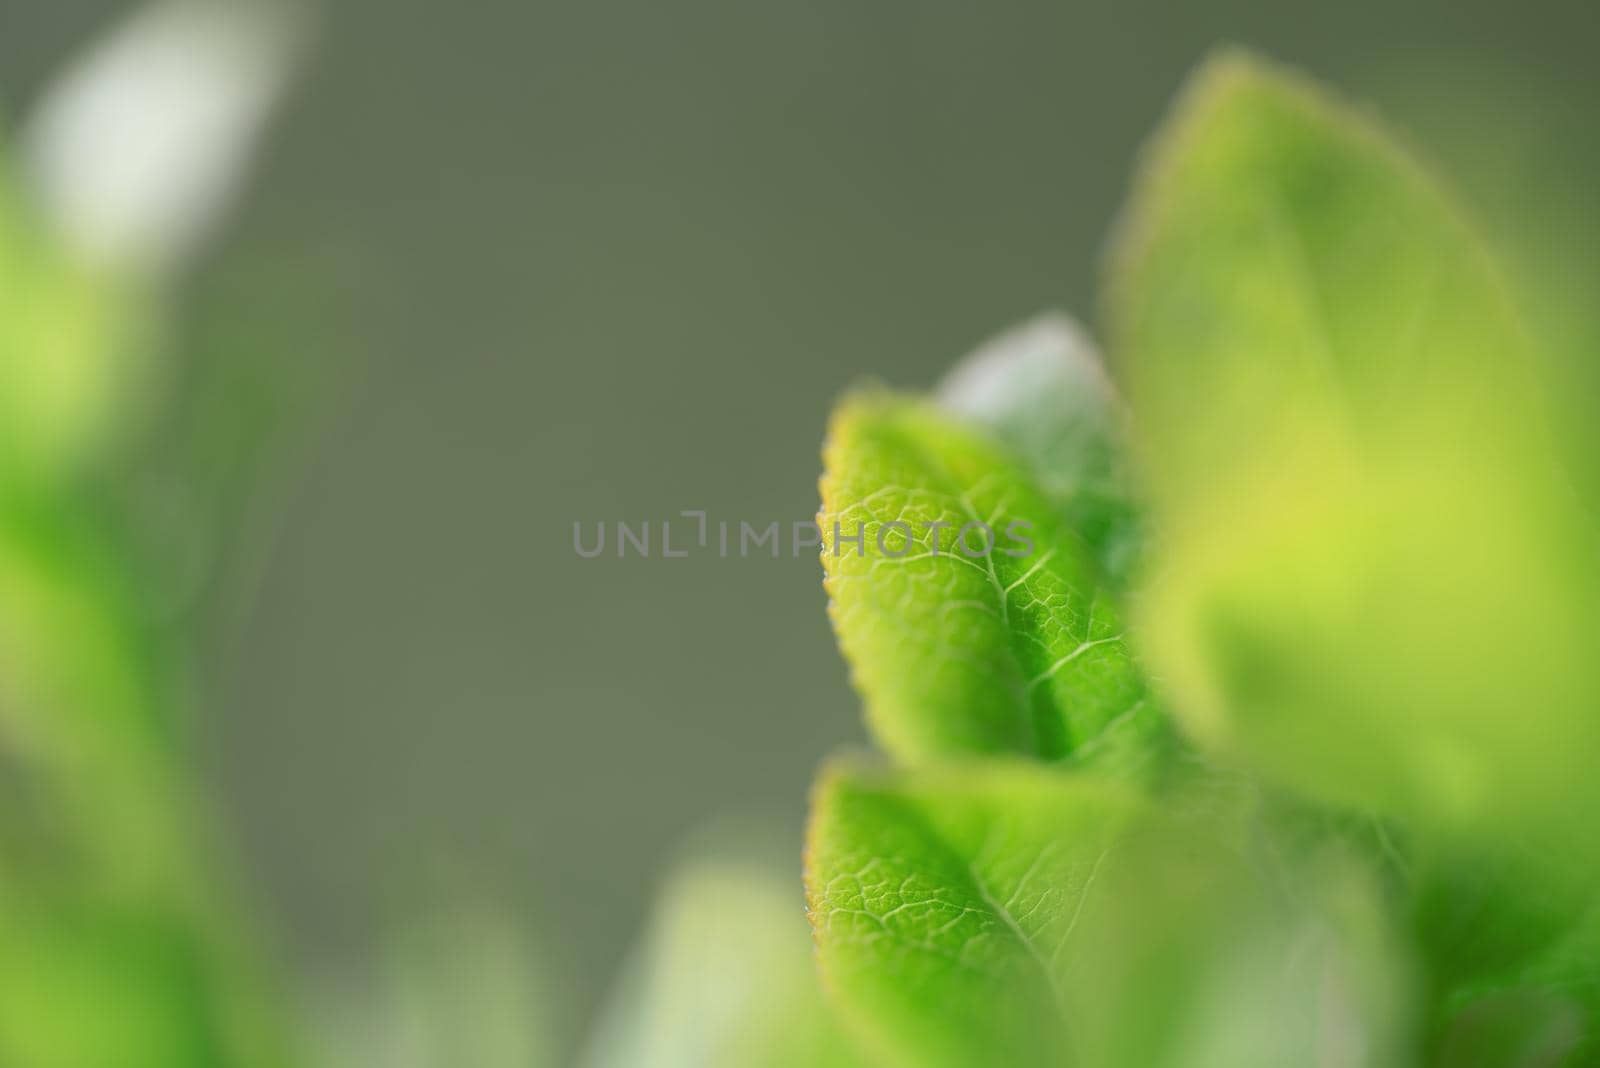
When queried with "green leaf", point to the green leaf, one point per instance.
{"points": [[1008, 913], [942, 902], [725, 976], [1373, 583], [1041, 390], [971, 618]]}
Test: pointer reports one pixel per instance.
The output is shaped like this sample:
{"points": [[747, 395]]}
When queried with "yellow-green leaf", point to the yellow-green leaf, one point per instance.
{"points": [[1372, 581]]}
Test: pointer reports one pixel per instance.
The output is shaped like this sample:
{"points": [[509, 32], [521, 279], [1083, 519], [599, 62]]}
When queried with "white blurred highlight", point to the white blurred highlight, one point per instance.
{"points": [[1048, 353], [138, 147]]}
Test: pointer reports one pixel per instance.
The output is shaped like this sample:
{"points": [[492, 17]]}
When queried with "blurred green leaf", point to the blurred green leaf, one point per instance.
{"points": [[119, 941], [95, 983], [1373, 583], [1525, 150], [1221, 937], [460, 981], [972, 620], [470, 993], [725, 976]]}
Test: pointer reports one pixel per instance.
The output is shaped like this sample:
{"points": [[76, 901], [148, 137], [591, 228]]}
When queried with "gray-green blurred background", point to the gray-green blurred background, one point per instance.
{"points": [[532, 263]]}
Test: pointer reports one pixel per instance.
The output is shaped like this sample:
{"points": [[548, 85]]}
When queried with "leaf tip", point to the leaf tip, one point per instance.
{"points": [[1230, 81]]}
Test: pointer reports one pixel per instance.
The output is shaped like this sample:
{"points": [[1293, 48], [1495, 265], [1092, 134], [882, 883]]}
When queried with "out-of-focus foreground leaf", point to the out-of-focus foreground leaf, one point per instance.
{"points": [[973, 620], [1526, 153], [1525, 150], [1374, 583]]}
